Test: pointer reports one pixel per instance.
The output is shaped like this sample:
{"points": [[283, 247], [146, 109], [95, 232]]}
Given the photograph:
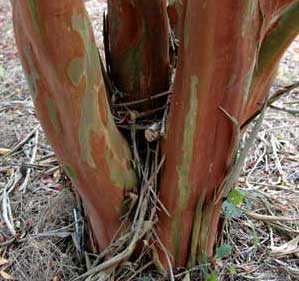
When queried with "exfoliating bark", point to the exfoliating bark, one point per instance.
{"points": [[61, 61], [219, 48]]}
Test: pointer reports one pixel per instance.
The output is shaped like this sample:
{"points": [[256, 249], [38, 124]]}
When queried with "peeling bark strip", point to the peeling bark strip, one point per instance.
{"points": [[139, 44], [60, 59], [223, 76]]}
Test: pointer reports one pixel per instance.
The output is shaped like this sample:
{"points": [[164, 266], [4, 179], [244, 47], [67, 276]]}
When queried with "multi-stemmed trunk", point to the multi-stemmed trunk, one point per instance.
{"points": [[228, 53]]}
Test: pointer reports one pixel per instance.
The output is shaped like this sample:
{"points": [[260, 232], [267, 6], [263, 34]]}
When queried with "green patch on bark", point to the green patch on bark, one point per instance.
{"points": [[232, 80], [34, 13], [189, 132], [53, 114], [207, 215], [279, 38], [117, 174], [185, 167], [76, 70], [196, 230], [90, 64], [133, 64], [91, 119], [32, 77], [70, 172]]}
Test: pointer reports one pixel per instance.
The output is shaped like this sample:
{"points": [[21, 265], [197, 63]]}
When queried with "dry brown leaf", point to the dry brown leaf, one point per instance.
{"points": [[288, 248], [6, 276], [3, 261], [4, 151], [57, 176]]}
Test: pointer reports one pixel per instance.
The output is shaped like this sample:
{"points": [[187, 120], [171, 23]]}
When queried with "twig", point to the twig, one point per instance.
{"points": [[235, 169], [128, 104], [255, 165], [6, 212], [118, 258], [23, 187], [140, 270], [270, 218], [22, 142], [164, 118], [271, 100], [273, 142], [164, 250], [7, 242], [282, 187], [287, 110]]}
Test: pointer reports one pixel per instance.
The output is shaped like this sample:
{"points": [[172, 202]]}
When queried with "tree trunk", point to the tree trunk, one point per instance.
{"points": [[61, 62], [281, 33], [217, 69], [138, 47], [228, 53], [200, 141]]}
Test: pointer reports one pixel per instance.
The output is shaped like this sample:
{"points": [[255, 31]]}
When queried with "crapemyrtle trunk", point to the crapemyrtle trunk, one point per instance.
{"points": [[228, 52], [60, 59], [200, 139], [138, 47], [222, 48], [281, 33]]}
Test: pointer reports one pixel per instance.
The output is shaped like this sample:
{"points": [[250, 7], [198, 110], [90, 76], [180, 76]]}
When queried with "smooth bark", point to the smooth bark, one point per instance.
{"points": [[138, 47], [281, 33], [60, 59]]}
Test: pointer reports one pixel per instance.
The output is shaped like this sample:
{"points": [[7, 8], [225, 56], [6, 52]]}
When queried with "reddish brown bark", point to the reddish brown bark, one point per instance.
{"points": [[227, 56], [281, 33], [270, 11], [200, 139], [138, 39], [175, 14], [60, 59]]}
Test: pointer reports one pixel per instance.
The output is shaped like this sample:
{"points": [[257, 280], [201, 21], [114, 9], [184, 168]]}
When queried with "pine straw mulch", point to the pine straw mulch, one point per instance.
{"points": [[41, 228]]}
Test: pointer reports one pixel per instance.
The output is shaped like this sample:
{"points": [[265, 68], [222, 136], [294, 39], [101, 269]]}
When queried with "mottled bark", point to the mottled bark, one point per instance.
{"points": [[138, 44], [201, 138], [270, 11], [227, 56], [219, 47], [60, 59], [281, 33]]}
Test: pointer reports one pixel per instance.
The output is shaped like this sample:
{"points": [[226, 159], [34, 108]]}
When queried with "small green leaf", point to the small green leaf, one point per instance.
{"points": [[232, 270], [213, 276], [235, 197], [223, 251], [231, 211]]}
